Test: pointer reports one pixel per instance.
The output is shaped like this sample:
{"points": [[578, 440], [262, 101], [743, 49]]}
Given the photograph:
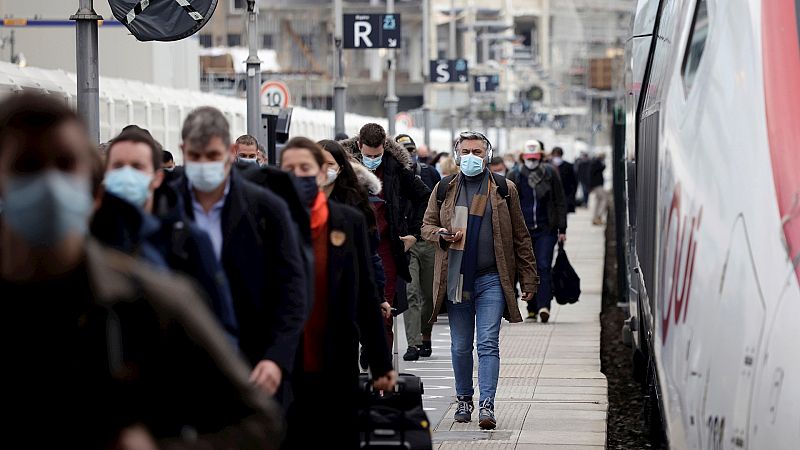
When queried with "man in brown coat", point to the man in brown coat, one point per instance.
{"points": [[483, 245]]}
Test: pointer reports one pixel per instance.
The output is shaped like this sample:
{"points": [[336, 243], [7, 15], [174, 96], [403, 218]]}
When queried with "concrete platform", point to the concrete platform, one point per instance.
{"points": [[551, 393]]}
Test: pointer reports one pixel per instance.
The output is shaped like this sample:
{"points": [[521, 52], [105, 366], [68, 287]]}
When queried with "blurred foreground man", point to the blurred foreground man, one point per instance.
{"points": [[101, 352]]}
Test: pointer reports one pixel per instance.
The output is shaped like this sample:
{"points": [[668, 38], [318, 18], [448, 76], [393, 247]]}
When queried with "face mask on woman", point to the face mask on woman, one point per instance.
{"points": [[331, 176]]}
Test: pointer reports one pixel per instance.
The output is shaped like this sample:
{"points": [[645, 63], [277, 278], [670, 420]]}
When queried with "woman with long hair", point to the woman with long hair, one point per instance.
{"points": [[344, 310]]}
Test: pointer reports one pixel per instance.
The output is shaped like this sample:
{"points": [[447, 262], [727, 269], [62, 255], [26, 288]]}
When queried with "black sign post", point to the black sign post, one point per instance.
{"points": [[449, 71], [485, 83], [364, 31]]}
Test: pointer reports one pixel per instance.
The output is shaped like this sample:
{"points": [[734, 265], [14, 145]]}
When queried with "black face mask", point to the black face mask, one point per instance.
{"points": [[307, 189]]}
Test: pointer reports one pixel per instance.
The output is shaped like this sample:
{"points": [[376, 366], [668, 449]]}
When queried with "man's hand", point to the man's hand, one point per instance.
{"points": [[386, 382], [454, 238], [267, 376], [408, 242], [386, 310], [527, 296], [562, 237]]}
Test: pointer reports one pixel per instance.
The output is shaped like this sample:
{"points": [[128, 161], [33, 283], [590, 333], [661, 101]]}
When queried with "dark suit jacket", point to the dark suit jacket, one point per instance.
{"points": [[265, 270]]}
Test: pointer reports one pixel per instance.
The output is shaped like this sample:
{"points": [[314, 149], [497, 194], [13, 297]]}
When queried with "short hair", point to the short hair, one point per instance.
{"points": [[141, 137], [496, 160], [558, 151], [166, 157], [372, 135], [29, 114], [247, 139], [204, 124], [301, 142]]}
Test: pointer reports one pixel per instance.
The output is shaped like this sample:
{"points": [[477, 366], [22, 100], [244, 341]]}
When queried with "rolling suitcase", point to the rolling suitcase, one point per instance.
{"points": [[393, 420]]}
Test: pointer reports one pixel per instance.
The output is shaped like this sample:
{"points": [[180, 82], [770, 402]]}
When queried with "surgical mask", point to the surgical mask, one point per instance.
{"points": [[502, 174], [557, 160], [439, 168], [471, 165], [249, 160], [307, 189], [332, 174], [509, 165], [206, 176], [372, 163], [169, 169], [531, 164], [47, 207], [129, 184]]}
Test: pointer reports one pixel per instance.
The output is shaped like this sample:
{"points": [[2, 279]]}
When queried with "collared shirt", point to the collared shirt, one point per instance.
{"points": [[211, 222]]}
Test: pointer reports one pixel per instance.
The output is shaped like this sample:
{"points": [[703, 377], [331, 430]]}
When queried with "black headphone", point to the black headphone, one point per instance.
{"points": [[469, 136]]}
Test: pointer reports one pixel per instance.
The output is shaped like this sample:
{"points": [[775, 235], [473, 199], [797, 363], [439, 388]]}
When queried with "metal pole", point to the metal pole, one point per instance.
{"points": [[426, 55], [339, 86], [253, 73], [391, 95], [86, 62], [453, 55]]}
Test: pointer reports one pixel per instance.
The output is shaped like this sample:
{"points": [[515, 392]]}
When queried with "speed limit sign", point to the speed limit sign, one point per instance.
{"points": [[275, 93]]}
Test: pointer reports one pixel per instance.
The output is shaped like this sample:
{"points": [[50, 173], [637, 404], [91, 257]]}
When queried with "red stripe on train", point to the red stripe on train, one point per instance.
{"points": [[782, 90]]}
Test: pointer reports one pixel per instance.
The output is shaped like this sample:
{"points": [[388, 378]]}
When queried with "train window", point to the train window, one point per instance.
{"points": [[696, 44]]}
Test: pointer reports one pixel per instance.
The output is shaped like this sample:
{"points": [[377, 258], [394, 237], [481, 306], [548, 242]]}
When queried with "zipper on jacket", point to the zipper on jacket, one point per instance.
{"points": [[535, 204]]}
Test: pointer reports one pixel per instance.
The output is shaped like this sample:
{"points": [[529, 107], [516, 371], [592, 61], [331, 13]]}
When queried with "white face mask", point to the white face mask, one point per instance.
{"points": [[206, 176], [531, 164], [557, 161], [331, 176]]}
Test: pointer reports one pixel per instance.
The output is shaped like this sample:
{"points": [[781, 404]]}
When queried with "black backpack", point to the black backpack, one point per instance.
{"points": [[502, 188], [566, 282]]}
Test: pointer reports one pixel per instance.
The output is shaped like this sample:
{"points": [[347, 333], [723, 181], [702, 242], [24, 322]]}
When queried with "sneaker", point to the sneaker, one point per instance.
{"points": [[425, 350], [412, 354], [464, 410], [486, 418], [544, 313], [532, 316]]}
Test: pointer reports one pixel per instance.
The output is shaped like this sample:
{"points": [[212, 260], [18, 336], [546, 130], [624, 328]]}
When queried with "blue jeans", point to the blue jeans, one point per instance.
{"points": [[544, 243], [487, 310]]}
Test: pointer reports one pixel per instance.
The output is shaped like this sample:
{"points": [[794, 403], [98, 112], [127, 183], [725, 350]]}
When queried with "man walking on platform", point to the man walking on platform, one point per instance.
{"points": [[392, 165], [256, 241], [545, 211], [423, 253], [475, 220]]}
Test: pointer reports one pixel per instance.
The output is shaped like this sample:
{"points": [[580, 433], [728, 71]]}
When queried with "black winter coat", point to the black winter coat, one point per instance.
{"points": [[265, 270], [400, 185], [570, 183]]}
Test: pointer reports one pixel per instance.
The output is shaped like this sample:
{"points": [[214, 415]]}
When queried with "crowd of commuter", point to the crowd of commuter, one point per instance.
{"points": [[228, 303]]}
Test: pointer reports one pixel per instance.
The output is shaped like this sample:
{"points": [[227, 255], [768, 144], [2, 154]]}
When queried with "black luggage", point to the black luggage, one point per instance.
{"points": [[566, 282], [393, 420]]}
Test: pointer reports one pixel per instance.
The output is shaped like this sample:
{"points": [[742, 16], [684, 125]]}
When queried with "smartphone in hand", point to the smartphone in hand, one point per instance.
{"points": [[445, 233]]}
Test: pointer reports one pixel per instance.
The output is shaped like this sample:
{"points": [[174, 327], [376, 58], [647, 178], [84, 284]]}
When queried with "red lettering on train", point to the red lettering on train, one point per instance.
{"points": [[683, 257]]}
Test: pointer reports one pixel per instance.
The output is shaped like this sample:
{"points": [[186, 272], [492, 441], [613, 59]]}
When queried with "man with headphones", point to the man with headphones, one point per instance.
{"points": [[482, 246]]}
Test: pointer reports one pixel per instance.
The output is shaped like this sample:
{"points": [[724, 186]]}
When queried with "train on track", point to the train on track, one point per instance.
{"points": [[711, 222]]}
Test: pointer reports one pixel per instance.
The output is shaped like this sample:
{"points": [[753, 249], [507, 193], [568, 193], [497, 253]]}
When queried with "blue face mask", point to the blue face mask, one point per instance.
{"points": [[372, 163], [249, 160], [129, 184], [206, 176], [471, 165], [47, 207], [307, 189]]}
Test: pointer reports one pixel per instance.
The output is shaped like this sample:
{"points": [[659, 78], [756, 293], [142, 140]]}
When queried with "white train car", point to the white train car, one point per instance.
{"points": [[162, 110], [713, 218]]}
